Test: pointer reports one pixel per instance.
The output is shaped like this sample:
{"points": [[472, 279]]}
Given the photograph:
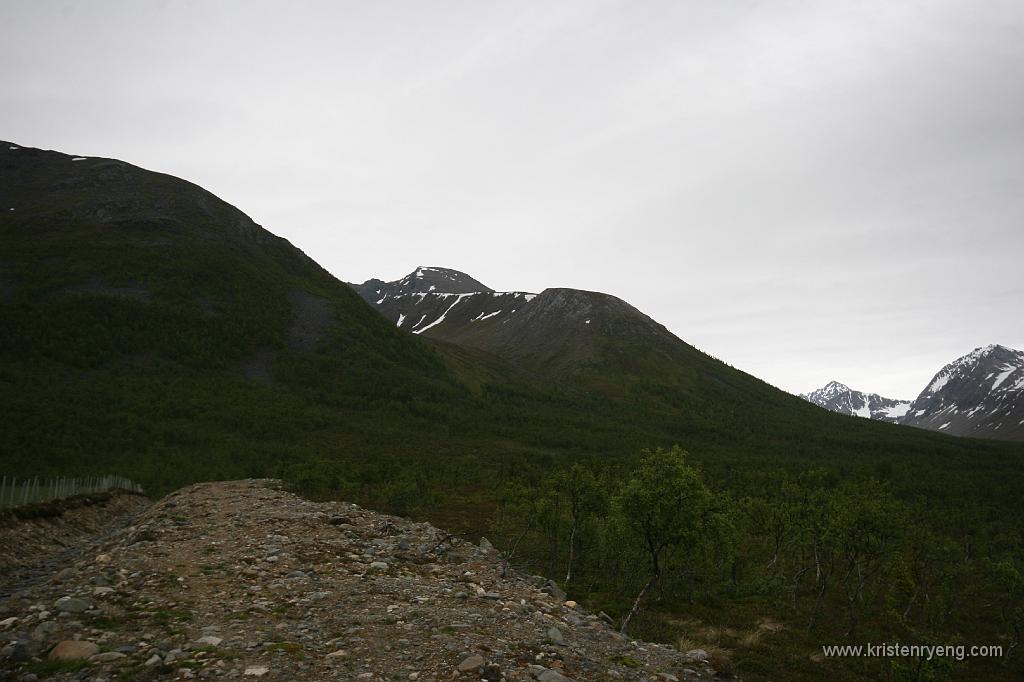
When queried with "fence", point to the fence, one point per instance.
{"points": [[16, 493]]}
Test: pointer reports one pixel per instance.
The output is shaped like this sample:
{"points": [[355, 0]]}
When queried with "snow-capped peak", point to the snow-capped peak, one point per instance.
{"points": [[839, 397], [834, 387], [980, 393]]}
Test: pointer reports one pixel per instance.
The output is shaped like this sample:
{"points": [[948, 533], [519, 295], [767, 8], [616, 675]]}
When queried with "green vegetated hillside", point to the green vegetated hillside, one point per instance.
{"points": [[151, 330]]}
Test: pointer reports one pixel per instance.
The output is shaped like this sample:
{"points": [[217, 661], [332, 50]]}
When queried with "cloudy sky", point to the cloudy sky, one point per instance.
{"points": [[806, 190]]}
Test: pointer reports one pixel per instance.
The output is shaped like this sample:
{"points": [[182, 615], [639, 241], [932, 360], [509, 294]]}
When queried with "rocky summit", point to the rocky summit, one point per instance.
{"points": [[845, 400], [980, 394], [244, 580]]}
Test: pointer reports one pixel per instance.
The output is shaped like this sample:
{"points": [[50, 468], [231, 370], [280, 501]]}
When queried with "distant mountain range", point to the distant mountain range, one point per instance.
{"points": [[845, 400], [980, 394]]}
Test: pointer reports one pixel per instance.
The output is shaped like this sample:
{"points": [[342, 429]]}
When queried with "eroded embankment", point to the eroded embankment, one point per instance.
{"points": [[36, 540]]}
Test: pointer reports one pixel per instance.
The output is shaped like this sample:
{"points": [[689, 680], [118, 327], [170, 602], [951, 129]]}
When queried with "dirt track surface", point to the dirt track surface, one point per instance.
{"points": [[241, 579]]}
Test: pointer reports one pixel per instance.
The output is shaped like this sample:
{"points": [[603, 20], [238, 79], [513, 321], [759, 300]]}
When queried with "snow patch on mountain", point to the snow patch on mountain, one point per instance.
{"points": [[439, 320], [840, 398], [979, 394]]}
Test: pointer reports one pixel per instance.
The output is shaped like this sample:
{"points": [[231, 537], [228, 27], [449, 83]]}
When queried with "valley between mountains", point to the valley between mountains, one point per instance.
{"points": [[153, 331]]}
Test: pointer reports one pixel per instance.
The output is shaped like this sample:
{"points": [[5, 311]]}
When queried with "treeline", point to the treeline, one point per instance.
{"points": [[840, 559], [15, 492]]}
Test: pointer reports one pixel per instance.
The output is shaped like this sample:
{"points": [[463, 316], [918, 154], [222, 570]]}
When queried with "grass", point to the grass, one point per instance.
{"points": [[628, 661], [46, 669], [291, 649]]}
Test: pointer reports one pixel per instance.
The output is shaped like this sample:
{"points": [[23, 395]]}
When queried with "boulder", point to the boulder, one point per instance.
{"points": [[555, 636], [73, 650], [72, 605], [472, 663], [552, 588]]}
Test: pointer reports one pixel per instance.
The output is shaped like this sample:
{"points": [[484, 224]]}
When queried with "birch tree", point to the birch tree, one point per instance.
{"points": [[664, 505]]}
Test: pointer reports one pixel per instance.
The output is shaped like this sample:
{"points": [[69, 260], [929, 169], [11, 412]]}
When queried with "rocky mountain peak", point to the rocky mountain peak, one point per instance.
{"points": [[980, 394], [833, 388], [439, 280], [421, 282], [840, 398]]}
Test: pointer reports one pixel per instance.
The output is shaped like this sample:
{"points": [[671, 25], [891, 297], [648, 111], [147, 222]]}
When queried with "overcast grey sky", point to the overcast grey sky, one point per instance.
{"points": [[806, 190]]}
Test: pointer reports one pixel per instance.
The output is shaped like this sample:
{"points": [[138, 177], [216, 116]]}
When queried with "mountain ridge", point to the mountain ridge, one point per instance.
{"points": [[560, 332]]}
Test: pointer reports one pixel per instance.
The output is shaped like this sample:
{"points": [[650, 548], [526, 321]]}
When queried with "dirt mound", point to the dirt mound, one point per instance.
{"points": [[242, 579]]}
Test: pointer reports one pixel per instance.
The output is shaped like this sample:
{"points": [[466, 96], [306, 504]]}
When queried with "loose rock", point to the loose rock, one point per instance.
{"points": [[73, 649], [471, 663]]}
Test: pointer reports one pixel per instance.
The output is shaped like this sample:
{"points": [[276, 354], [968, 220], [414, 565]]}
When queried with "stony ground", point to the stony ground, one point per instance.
{"points": [[244, 580], [35, 547]]}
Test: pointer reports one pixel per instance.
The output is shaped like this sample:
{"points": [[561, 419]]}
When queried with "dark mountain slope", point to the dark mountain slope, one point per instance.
{"points": [[572, 339], [148, 320], [85, 239]]}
